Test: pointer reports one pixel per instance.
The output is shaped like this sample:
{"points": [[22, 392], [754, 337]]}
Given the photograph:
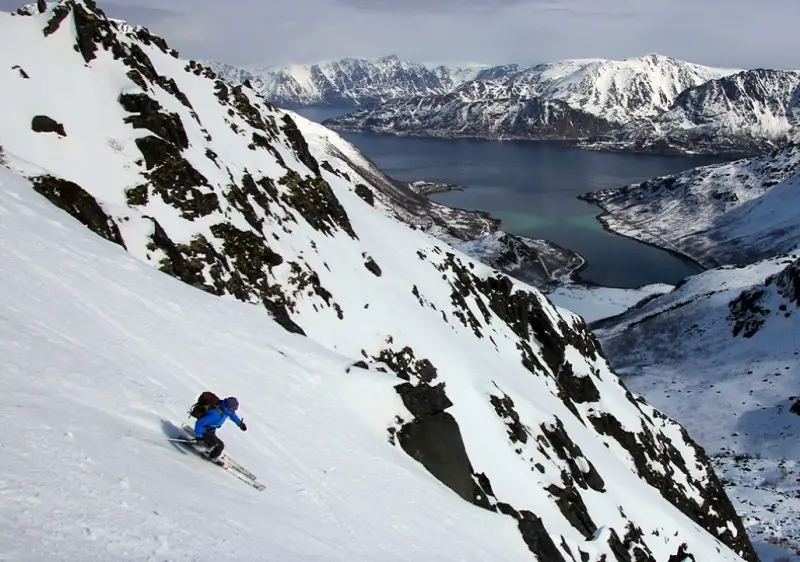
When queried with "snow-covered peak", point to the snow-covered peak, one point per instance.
{"points": [[351, 81], [617, 90], [386, 372]]}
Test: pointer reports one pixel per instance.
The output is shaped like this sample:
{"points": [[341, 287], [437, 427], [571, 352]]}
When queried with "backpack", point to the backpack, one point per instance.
{"points": [[205, 402]]}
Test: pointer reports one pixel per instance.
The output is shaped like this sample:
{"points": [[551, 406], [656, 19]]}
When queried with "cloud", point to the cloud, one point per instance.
{"points": [[732, 33]]}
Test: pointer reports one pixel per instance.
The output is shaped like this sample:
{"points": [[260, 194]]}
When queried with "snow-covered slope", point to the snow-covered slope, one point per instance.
{"points": [[733, 213], [616, 90], [720, 353], [425, 382], [750, 112], [572, 99], [351, 81]]}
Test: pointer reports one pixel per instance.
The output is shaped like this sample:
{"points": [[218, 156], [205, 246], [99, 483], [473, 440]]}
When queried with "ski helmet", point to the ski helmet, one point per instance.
{"points": [[232, 403]]}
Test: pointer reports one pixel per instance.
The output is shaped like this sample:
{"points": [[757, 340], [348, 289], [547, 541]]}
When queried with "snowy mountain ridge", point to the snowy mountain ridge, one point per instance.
{"points": [[649, 104], [750, 112], [733, 213], [388, 369], [719, 353], [352, 81]]}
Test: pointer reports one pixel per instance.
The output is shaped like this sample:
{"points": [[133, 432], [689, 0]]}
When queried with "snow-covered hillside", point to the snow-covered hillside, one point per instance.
{"points": [[616, 90], [351, 81], [733, 213], [426, 383], [750, 112], [571, 99], [720, 353]]}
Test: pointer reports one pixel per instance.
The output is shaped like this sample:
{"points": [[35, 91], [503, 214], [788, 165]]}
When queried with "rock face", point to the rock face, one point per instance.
{"points": [[748, 113], [353, 82], [733, 213], [505, 399]]}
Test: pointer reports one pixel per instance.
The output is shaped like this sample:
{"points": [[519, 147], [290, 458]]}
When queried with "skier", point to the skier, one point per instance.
{"points": [[206, 427]]}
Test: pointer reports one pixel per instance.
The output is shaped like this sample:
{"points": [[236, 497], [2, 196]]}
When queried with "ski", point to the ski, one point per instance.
{"points": [[229, 465]]}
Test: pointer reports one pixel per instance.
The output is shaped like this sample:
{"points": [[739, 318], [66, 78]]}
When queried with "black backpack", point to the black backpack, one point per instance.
{"points": [[205, 402]]}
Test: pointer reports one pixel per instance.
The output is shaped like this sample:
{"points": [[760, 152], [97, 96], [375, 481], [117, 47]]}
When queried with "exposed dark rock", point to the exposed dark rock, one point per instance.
{"points": [[682, 555], [190, 271], [795, 409], [137, 196], [361, 365], [372, 267], [505, 409], [303, 278], [45, 124], [176, 180], [21, 71], [537, 538], [278, 311], [366, 194], [248, 251], [60, 12], [299, 144], [41, 5], [579, 389], [423, 399], [482, 492], [76, 201], [138, 79], [747, 314], [149, 116], [92, 28], [635, 548], [314, 199], [716, 510], [405, 365], [435, 442], [570, 502], [568, 451]]}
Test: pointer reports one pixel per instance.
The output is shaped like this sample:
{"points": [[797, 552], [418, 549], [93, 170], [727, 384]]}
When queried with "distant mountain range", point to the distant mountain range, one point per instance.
{"points": [[355, 82], [648, 104]]}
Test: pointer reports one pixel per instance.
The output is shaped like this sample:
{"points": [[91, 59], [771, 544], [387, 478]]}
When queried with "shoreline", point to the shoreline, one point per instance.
{"points": [[579, 143], [423, 187], [605, 212]]}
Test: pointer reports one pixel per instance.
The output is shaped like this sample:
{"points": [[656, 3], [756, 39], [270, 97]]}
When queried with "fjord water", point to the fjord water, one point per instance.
{"points": [[532, 187]]}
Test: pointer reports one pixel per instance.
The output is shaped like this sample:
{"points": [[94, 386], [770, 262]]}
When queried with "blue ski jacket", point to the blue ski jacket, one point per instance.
{"points": [[214, 419]]}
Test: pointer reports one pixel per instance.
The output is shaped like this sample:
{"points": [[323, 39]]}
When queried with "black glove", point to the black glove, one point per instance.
{"points": [[242, 426]]}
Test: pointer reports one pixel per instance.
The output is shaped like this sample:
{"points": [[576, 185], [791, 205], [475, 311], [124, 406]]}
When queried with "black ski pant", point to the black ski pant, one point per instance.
{"points": [[215, 443]]}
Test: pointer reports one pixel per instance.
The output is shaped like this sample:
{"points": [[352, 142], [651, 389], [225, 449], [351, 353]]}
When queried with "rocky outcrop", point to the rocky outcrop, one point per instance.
{"points": [[76, 201], [45, 124]]}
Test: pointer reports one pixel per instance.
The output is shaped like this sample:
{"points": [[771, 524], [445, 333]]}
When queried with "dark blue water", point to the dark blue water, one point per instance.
{"points": [[532, 187]]}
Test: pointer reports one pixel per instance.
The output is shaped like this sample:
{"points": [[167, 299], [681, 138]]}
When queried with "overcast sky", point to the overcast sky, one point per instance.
{"points": [[732, 33]]}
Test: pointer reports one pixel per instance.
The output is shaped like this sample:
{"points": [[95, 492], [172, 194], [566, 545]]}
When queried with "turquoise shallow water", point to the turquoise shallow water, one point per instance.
{"points": [[532, 187]]}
